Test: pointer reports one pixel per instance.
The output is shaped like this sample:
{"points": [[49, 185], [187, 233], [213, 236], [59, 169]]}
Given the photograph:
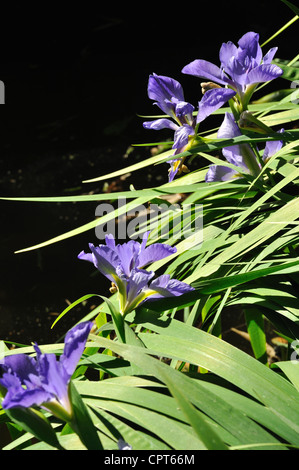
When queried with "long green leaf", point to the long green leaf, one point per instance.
{"points": [[255, 327]]}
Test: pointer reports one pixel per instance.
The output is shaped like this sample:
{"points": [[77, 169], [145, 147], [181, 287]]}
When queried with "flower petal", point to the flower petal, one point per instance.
{"points": [[264, 73], [54, 377], [139, 279], [104, 259], [181, 136], [163, 286], [235, 154], [128, 253], [250, 43], [144, 240], [174, 168], [160, 124], [21, 365], [270, 55], [110, 241], [220, 173], [25, 398], [183, 108], [74, 345], [154, 252], [205, 69], [227, 51], [213, 100], [272, 147], [161, 87], [228, 128], [165, 91]]}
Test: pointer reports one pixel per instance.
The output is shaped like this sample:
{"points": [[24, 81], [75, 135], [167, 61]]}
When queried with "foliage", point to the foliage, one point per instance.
{"points": [[161, 377]]}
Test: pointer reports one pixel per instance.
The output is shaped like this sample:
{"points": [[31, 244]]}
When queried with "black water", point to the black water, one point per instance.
{"points": [[75, 81]]}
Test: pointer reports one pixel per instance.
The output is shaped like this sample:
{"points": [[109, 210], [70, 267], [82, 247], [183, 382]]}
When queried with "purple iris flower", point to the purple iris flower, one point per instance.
{"points": [[44, 381], [124, 266], [240, 155], [169, 97], [242, 67]]}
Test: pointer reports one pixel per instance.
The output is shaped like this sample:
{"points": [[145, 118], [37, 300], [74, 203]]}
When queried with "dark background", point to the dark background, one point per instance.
{"points": [[75, 79]]}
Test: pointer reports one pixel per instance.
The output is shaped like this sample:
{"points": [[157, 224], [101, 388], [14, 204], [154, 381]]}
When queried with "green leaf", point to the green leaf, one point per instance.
{"points": [[36, 424], [243, 373], [290, 73], [255, 328], [82, 423], [196, 419], [291, 6], [72, 305], [290, 369]]}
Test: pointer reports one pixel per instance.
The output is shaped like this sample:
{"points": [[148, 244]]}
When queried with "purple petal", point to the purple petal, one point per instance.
{"points": [[11, 381], [212, 100], [161, 87], [181, 136], [154, 252], [220, 173], [54, 377], [110, 241], [174, 168], [227, 51], [233, 154], [74, 345], [166, 287], [144, 240], [264, 73], [204, 69], [128, 253], [25, 398], [272, 147], [104, 259], [163, 90], [270, 55], [183, 109], [238, 69], [228, 128], [247, 39], [139, 279], [20, 364], [250, 42], [160, 124]]}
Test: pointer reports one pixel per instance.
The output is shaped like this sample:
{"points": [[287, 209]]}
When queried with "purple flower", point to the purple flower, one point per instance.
{"points": [[169, 97], [44, 381], [241, 69], [124, 266], [239, 155], [272, 147]]}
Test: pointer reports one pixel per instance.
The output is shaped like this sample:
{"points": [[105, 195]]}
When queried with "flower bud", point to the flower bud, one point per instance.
{"points": [[205, 86], [113, 288]]}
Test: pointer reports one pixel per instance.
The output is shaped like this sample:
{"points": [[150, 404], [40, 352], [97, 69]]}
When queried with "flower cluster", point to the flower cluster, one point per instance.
{"points": [[124, 266], [242, 68], [169, 97], [44, 381], [241, 155]]}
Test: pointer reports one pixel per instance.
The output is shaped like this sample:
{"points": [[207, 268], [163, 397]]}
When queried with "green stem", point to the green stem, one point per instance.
{"points": [[281, 30], [250, 160]]}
